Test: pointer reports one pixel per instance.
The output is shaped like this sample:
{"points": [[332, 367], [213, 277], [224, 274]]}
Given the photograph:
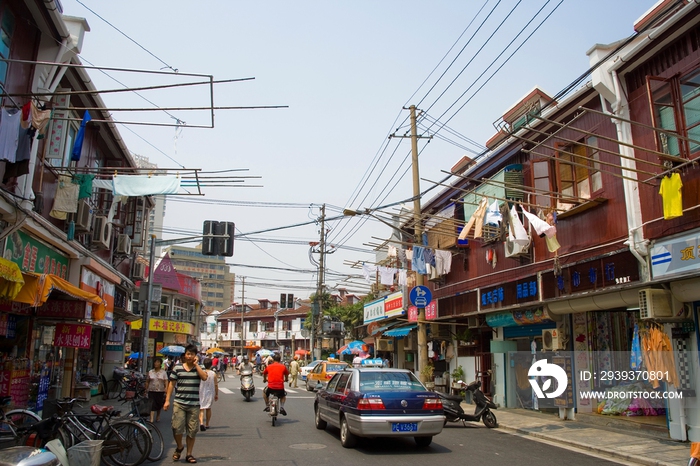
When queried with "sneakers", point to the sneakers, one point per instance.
{"points": [[283, 412], [267, 409]]}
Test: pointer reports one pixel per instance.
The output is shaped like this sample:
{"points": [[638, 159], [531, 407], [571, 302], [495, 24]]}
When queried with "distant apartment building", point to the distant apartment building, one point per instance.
{"points": [[215, 276]]}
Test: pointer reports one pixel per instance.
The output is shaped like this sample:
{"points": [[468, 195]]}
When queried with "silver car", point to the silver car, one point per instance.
{"points": [[304, 370], [379, 402]]}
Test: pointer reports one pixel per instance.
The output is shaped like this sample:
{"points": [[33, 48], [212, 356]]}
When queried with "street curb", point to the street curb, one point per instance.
{"points": [[602, 451]]}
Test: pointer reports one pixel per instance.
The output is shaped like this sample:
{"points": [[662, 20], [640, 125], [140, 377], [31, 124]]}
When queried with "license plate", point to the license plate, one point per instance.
{"points": [[404, 427]]}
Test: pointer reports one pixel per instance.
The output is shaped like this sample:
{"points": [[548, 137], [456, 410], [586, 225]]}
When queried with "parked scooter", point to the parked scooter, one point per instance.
{"points": [[247, 385], [483, 406]]}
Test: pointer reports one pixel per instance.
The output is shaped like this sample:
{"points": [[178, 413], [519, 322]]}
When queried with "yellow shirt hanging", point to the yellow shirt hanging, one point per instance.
{"points": [[672, 196]]}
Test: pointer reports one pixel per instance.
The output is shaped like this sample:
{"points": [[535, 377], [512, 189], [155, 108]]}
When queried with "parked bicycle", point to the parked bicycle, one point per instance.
{"points": [[125, 384], [126, 442], [140, 408], [15, 424]]}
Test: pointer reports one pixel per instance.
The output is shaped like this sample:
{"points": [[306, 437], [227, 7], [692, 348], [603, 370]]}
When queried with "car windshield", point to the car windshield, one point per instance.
{"points": [[335, 367], [390, 381]]}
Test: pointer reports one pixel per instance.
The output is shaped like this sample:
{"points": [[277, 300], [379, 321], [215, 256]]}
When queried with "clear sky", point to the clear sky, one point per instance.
{"points": [[345, 70]]}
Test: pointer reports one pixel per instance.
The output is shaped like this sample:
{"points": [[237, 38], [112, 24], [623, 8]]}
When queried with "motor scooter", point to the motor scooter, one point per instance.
{"points": [[247, 385], [483, 406]]}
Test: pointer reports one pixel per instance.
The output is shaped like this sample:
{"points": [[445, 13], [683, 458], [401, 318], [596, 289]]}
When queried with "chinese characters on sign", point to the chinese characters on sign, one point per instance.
{"points": [[34, 256], [162, 325], [492, 297], [374, 311], [72, 335], [526, 290]]}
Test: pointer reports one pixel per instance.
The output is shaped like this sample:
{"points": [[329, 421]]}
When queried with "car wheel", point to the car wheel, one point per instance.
{"points": [[489, 420], [308, 387], [423, 441], [320, 423], [347, 438]]}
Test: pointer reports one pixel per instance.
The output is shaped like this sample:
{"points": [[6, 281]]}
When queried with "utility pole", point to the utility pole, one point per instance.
{"points": [[147, 311], [319, 288], [418, 236], [242, 314]]}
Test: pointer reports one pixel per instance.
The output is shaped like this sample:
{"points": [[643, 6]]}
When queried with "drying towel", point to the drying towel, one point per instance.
{"points": [[540, 225], [369, 270], [144, 185], [443, 261], [66, 199]]}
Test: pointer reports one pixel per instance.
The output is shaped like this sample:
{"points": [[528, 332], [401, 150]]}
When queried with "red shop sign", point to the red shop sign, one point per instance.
{"points": [[72, 335], [58, 308]]}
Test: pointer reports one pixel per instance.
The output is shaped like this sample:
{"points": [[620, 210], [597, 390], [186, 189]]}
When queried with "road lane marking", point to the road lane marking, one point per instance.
{"points": [[225, 390]]}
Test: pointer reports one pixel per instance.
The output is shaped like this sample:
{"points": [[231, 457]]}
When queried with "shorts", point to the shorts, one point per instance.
{"points": [[278, 392], [185, 419]]}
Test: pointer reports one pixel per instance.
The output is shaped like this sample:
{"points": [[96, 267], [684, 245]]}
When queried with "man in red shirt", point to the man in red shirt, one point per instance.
{"points": [[275, 375]]}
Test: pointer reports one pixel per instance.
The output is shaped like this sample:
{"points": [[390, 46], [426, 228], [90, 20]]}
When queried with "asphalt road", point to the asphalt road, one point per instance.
{"points": [[241, 433]]}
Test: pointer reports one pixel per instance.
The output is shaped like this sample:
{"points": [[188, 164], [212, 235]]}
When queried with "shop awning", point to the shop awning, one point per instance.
{"points": [[37, 288], [12, 280], [401, 331]]}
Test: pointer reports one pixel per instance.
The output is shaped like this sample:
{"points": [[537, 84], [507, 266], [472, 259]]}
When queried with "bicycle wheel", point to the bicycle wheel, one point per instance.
{"points": [[158, 445], [21, 420], [126, 443]]}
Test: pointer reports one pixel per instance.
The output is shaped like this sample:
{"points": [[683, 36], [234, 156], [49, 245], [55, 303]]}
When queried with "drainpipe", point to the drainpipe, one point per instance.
{"points": [[638, 246]]}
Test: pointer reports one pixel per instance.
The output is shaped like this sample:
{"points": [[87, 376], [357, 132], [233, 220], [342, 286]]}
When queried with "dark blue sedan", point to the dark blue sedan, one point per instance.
{"points": [[379, 402]]}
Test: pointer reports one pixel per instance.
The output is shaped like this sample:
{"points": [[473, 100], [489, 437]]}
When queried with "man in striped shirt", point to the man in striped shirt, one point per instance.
{"points": [[184, 380]]}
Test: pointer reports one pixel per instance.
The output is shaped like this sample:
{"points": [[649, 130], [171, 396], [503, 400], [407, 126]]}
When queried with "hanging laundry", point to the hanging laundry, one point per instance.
{"points": [[21, 164], [429, 256], [369, 271], [26, 119], [443, 261], [636, 353], [80, 137], [392, 251], [103, 184], [403, 279], [144, 185], [409, 254], [85, 183], [66, 199], [551, 237], [672, 195], [418, 262], [386, 275], [493, 215], [477, 220], [40, 118], [9, 134], [401, 254], [541, 227], [517, 233]]}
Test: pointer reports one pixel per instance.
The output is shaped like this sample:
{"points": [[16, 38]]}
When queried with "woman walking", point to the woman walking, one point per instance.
{"points": [[155, 386], [208, 393]]}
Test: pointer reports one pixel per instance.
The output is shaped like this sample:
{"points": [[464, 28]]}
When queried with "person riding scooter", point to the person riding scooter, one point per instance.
{"points": [[245, 370]]}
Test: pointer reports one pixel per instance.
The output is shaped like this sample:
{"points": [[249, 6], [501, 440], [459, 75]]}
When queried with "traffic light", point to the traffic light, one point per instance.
{"points": [[218, 238], [283, 300], [290, 301]]}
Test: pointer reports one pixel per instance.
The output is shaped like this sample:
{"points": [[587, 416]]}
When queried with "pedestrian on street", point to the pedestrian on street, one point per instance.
{"points": [[156, 382], [184, 381], [208, 394], [294, 371]]}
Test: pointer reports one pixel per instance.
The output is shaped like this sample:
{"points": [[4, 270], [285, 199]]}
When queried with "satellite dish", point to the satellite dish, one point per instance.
{"points": [[305, 333]]}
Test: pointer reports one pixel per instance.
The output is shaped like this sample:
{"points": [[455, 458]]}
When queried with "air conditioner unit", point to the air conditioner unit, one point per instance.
{"points": [[83, 218], [139, 271], [385, 345], [123, 244], [102, 232], [515, 249], [657, 304], [473, 321], [552, 339]]}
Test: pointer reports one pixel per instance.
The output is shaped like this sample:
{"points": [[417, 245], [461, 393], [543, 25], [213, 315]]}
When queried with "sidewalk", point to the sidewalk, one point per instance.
{"points": [[611, 442]]}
